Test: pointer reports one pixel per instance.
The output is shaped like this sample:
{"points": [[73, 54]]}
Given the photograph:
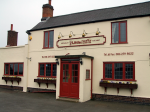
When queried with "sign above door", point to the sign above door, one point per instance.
{"points": [[81, 41]]}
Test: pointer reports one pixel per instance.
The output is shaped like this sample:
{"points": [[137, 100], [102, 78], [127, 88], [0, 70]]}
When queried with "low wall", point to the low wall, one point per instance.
{"points": [[12, 87], [123, 99], [34, 90]]}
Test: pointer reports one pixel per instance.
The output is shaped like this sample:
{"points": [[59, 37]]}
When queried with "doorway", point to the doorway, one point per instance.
{"points": [[69, 80]]}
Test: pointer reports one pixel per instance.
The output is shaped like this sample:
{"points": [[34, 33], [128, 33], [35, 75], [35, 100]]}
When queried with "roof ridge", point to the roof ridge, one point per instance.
{"points": [[115, 13]]}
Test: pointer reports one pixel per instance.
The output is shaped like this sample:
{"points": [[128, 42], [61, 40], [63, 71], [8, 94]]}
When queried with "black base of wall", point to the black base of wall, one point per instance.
{"points": [[29, 89], [124, 99], [11, 87]]}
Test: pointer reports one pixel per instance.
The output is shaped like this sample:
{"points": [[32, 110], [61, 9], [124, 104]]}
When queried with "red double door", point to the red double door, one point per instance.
{"points": [[69, 80]]}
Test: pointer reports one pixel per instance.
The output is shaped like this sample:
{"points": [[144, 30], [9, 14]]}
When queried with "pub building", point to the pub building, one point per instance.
{"points": [[102, 54]]}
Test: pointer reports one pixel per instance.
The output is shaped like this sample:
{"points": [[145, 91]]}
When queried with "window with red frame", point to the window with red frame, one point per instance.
{"points": [[119, 32], [47, 70], [13, 69], [87, 74], [119, 71], [48, 39]]}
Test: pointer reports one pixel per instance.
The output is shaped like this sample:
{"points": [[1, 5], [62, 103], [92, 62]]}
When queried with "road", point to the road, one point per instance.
{"points": [[15, 101]]}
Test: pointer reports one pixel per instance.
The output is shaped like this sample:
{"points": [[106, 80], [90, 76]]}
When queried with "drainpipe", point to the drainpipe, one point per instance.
{"points": [[91, 76]]}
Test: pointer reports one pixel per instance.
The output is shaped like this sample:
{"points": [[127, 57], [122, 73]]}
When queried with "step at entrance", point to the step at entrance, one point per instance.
{"points": [[69, 99]]}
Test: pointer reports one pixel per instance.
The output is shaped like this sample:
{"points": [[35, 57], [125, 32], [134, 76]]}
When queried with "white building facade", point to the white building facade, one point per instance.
{"points": [[83, 56]]}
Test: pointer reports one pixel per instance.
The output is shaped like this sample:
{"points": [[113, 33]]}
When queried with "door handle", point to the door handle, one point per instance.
{"points": [[69, 76]]}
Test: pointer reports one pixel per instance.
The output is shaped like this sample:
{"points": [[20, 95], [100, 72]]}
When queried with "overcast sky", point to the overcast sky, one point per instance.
{"points": [[25, 14]]}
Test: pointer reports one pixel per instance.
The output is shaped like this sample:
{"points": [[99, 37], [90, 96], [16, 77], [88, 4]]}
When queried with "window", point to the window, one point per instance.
{"points": [[48, 39], [87, 74], [47, 70], [119, 32], [119, 71], [15, 69]]}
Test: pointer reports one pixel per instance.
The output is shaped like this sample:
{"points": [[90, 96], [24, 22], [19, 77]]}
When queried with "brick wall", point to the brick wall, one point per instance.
{"points": [[12, 38], [12, 87], [47, 12], [124, 99], [29, 89]]}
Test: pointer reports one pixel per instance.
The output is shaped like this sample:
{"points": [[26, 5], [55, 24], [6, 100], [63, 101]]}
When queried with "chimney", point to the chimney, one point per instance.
{"points": [[12, 37], [47, 11]]}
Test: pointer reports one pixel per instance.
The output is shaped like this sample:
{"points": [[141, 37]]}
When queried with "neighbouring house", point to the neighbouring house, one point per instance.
{"points": [[101, 54]]}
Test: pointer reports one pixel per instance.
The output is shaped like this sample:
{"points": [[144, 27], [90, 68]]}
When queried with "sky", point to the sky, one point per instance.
{"points": [[25, 14]]}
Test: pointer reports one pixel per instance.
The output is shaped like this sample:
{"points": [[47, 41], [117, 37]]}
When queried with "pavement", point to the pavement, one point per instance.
{"points": [[16, 101]]}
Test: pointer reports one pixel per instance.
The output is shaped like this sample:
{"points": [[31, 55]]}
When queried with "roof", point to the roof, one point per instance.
{"points": [[121, 12], [74, 56]]}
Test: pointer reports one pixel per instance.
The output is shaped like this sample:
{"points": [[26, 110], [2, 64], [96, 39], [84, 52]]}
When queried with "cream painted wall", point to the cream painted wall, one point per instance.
{"points": [[138, 34], [86, 83], [58, 81], [138, 42], [12, 55], [26, 61], [33, 70]]}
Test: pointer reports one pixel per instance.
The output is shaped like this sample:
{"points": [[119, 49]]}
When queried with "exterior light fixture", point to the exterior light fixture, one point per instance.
{"points": [[97, 32], [30, 38], [28, 58], [84, 53], [81, 62], [57, 62], [60, 35], [84, 33], [71, 35]]}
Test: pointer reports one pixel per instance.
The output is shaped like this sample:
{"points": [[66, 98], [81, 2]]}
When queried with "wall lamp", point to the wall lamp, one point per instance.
{"points": [[57, 62], [30, 38], [84, 33], [97, 32], [28, 58], [84, 53], [81, 62], [71, 35], [60, 35]]}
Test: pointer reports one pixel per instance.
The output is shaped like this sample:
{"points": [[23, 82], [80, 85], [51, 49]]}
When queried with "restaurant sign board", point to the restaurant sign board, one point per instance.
{"points": [[81, 41]]}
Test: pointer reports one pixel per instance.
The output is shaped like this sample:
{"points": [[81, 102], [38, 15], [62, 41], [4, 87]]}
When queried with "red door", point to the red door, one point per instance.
{"points": [[69, 80]]}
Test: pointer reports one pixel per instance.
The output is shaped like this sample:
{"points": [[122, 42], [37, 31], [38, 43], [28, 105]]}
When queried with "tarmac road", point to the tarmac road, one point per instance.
{"points": [[15, 101]]}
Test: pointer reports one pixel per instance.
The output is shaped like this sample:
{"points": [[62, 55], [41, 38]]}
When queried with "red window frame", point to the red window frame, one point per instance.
{"points": [[119, 42], [48, 40], [113, 77], [13, 69], [45, 70], [88, 75]]}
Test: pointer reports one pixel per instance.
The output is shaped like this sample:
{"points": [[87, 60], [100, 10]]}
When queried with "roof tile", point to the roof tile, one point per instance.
{"points": [[126, 11]]}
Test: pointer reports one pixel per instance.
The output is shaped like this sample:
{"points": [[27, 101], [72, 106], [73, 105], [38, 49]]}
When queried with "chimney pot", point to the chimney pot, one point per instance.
{"points": [[11, 27], [49, 2]]}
